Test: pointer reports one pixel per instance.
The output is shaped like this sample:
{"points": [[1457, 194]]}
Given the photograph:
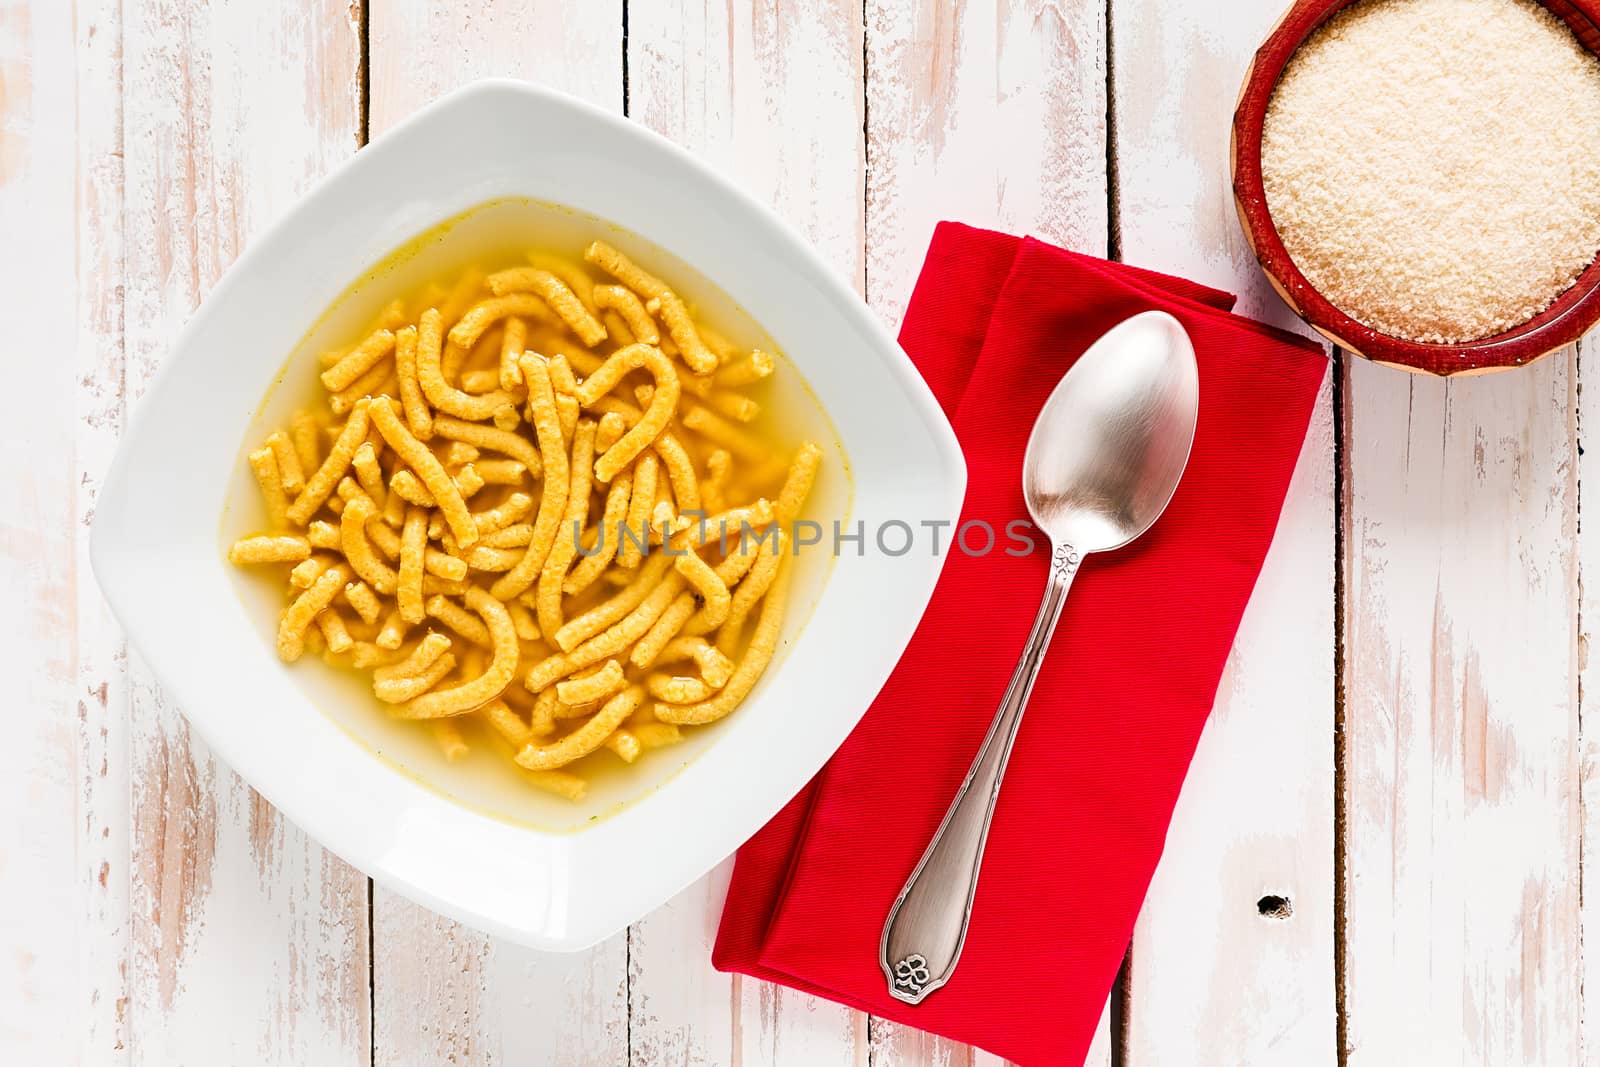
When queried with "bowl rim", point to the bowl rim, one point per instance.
{"points": [[1567, 319], [355, 837]]}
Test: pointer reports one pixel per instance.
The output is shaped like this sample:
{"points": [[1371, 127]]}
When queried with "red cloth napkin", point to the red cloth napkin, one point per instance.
{"points": [[1102, 752]]}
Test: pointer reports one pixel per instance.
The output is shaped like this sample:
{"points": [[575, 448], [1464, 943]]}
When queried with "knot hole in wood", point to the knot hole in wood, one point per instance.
{"points": [[1275, 907]]}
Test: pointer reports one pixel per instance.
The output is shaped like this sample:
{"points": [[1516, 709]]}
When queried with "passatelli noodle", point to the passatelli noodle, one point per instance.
{"points": [[538, 508]]}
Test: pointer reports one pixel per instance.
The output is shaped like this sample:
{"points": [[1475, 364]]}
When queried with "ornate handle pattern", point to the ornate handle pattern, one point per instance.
{"points": [[927, 926]]}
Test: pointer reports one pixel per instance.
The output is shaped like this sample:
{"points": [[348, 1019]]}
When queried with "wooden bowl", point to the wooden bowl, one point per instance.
{"points": [[1570, 317]]}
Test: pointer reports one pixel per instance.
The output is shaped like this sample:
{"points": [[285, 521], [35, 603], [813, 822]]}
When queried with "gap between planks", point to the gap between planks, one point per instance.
{"points": [[363, 137], [1122, 987], [1341, 494]]}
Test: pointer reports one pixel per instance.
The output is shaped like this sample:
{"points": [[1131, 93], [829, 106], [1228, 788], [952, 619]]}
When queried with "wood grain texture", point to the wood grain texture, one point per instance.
{"points": [[100, 835], [991, 113], [1587, 465], [246, 935], [443, 993], [63, 781], [160, 913], [420, 50], [1214, 980], [1462, 785], [771, 95]]}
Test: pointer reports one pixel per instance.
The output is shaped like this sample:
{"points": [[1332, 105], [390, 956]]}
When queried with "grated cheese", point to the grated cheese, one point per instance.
{"points": [[1433, 166]]}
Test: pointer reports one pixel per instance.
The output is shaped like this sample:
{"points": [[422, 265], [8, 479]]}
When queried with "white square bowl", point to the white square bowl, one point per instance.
{"points": [[156, 546]]}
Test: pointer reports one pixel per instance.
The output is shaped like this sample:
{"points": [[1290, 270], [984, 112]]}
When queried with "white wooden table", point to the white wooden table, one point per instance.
{"points": [[1398, 751]]}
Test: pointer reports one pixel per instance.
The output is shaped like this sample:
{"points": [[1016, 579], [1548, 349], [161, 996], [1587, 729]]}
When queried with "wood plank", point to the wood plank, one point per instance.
{"points": [[63, 772], [772, 96], [683, 1011], [1213, 979], [442, 992], [1462, 841], [102, 830], [991, 113], [1587, 436], [420, 50], [249, 941]]}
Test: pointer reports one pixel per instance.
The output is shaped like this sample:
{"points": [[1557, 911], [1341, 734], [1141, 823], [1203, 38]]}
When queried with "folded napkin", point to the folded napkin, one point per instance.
{"points": [[1130, 678]]}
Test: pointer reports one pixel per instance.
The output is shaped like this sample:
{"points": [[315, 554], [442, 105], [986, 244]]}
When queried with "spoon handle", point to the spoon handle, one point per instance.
{"points": [[923, 935]]}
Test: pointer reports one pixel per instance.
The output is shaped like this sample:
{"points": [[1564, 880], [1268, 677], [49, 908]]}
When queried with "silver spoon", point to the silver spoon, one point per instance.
{"points": [[1103, 460]]}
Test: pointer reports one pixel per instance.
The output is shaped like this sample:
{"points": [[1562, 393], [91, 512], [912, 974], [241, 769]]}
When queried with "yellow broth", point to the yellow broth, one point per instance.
{"points": [[495, 236]]}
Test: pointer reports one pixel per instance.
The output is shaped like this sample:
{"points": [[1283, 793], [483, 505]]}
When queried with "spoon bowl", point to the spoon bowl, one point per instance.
{"points": [[1112, 440]]}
